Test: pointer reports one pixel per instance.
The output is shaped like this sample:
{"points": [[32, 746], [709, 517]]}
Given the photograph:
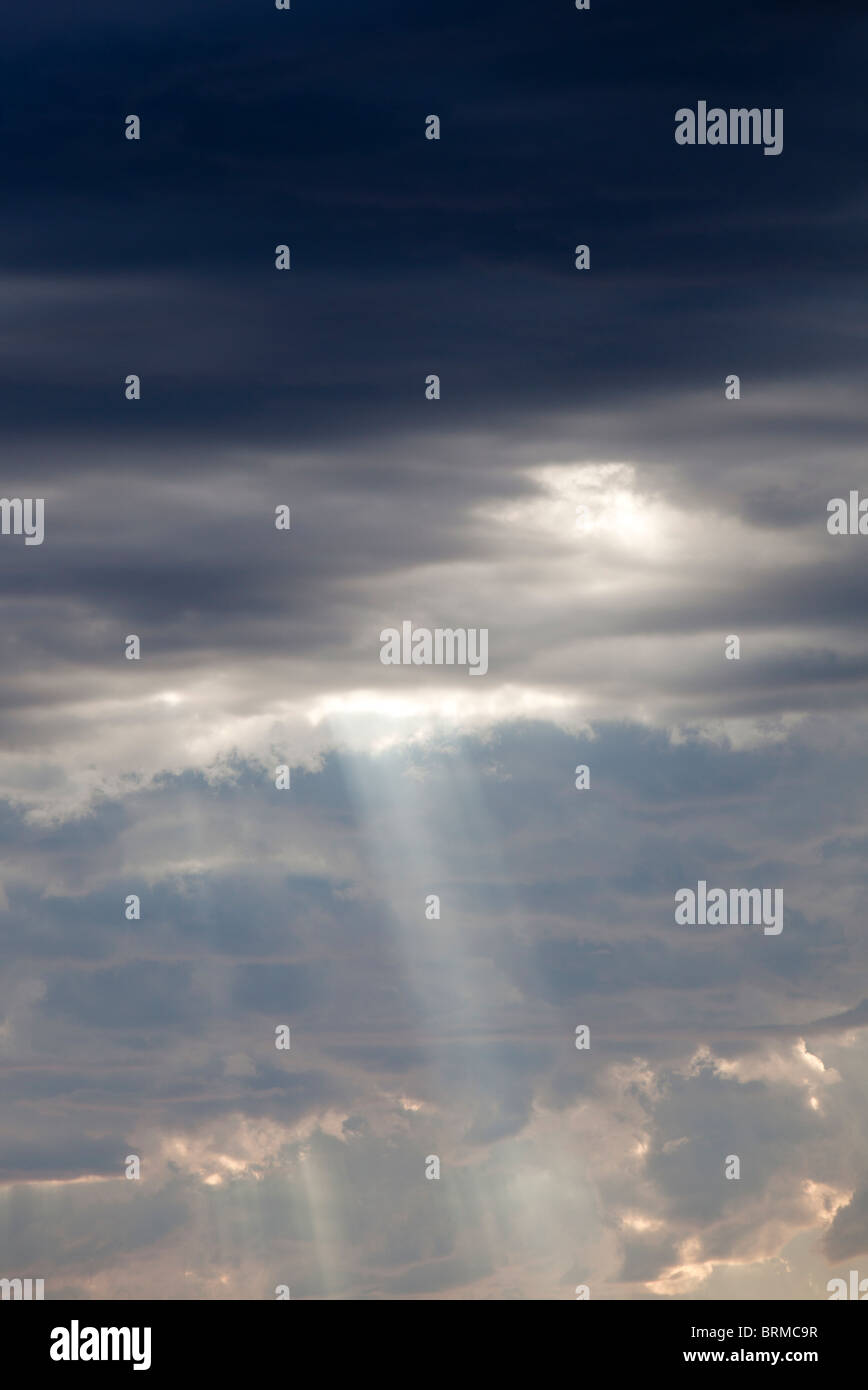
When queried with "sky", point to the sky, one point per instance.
{"points": [[586, 492]]}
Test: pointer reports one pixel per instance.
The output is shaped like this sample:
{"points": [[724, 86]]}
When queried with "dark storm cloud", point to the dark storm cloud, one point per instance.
{"points": [[414, 256], [848, 1234], [66, 1228], [646, 1255]]}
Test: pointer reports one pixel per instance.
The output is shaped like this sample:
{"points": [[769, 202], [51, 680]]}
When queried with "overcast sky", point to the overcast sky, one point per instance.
{"points": [[704, 518]]}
